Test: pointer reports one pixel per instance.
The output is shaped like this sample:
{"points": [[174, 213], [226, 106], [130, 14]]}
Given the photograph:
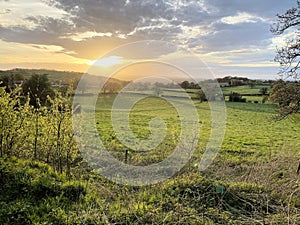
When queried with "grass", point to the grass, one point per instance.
{"points": [[142, 113], [245, 89], [33, 194], [252, 181], [251, 131], [256, 165], [252, 134]]}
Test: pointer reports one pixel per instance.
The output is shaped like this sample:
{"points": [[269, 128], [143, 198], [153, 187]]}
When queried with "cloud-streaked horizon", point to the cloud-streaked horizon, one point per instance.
{"points": [[232, 36]]}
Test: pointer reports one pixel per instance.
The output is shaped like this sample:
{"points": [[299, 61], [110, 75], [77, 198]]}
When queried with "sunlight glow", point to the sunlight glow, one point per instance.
{"points": [[106, 62]]}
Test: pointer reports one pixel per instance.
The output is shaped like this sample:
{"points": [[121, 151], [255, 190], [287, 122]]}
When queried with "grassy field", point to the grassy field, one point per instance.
{"points": [[251, 132], [245, 89], [252, 180], [257, 151]]}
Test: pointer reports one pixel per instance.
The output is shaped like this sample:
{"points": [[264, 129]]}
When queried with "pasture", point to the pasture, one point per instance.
{"points": [[252, 180], [252, 134], [258, 155], [245, 89]]}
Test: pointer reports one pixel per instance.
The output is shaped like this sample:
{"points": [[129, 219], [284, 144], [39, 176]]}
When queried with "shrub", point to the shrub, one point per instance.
{"points": [[236, 97], [73, 191]]}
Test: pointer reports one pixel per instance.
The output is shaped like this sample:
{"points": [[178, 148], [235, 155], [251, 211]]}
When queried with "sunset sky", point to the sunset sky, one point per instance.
{"points": [[232, 36]]}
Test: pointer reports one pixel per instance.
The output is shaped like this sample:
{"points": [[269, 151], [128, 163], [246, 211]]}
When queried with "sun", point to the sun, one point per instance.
{"points": [[107, 62]]}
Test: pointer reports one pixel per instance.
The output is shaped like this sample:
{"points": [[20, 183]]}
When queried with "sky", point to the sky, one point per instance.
{"points": [[232, 37]]}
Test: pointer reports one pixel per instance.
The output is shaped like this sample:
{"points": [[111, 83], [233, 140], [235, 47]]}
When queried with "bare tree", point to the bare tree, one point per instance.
{"points": [[287, 94], [288, 56]]}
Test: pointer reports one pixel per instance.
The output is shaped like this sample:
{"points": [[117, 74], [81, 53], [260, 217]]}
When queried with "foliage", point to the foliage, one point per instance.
{"points": [[53, 75], [263, 90], [13, 123], [287, 95], [11, 81], [112, 86], [38, 88], [47, 130], [236, 97], [189, 85], [201, 95]]}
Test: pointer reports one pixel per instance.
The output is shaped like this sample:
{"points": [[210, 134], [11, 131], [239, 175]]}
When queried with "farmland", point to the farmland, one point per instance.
{"points": [[257, 150], [245, 89], [251, 132], [252, 180], [149, 112]]}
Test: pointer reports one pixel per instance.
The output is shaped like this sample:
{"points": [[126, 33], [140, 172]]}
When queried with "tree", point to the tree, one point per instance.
{"points": [[38, 88], [288, 56], [111, 87], [263, 91], [236, 97], [287, 95], [201, 95], [11, 81], [194, 85], [251, 84], [185, 84], [42, 134], [13, 123]]}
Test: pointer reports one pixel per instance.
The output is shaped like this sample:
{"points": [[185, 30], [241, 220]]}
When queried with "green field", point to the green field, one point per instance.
{"points": [[252, 180], [251, 132], [257, 150], [245, 89]]}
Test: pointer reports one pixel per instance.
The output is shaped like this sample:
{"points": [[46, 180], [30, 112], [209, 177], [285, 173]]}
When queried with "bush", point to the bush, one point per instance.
{"points": [[236, 97], [73, 191]]}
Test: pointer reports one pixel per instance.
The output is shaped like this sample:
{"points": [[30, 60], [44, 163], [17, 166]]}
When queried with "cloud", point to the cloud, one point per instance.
{"points": [[87, 29], [87, 35], [15, 13], [241, 17], [5, 11], [267, 8], [231, 37], [99, 25]]}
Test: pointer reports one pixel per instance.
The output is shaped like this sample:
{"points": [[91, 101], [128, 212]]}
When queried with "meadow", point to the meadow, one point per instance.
{"points": [[245, 89], [257, 152], [252, 180], [252, 133]]}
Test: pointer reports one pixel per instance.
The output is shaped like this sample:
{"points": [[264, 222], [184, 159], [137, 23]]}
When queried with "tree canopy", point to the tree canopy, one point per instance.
{"points": [[38, 87], [10, 81], [287, 95]]}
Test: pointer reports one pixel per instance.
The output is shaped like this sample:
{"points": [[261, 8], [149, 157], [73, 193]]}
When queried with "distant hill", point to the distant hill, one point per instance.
{"points": [[112, 85], [53, 75]]}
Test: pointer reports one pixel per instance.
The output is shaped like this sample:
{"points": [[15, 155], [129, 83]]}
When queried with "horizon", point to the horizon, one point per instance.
{"points": [[191, 80], [231, 38]]}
